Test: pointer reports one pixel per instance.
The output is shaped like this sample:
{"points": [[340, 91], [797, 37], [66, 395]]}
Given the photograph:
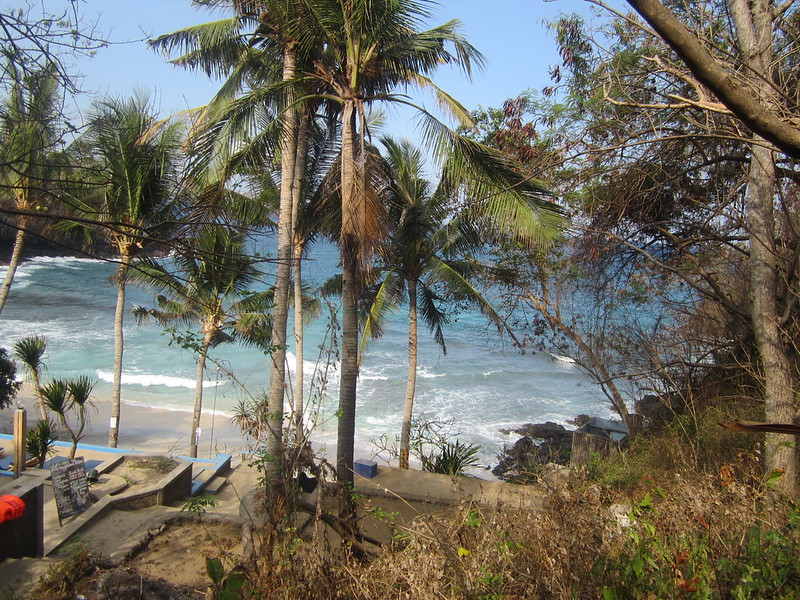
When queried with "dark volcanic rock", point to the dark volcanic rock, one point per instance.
{"points": [[660, 410], [541, 443], [542, 431]]}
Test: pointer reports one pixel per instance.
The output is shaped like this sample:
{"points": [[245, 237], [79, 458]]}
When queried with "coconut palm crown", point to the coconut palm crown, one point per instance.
{"points": [[129, 161], [209, 284]]}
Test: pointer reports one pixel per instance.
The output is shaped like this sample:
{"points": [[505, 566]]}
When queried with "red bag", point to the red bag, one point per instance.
{"points": [[11, 507]]}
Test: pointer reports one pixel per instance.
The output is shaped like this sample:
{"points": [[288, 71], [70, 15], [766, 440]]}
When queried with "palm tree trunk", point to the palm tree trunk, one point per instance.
{"points": [[411, 383], [81, 425], [198, 390], [37, 394], [116, 392], [277, 382], [72, 436], [16, 254], [298, 344], [301, 160], [350, 249]]}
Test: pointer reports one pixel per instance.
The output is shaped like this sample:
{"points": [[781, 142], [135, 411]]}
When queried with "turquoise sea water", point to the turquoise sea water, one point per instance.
{"points": [[482, 384]]}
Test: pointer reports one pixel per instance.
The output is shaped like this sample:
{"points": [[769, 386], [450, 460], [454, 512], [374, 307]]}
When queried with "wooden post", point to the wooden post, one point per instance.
{"points": [[20, 434]]}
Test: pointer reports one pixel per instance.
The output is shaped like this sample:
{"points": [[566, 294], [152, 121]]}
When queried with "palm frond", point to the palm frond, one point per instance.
{"points": [[80, 389], [380, 304], [432, 315], [213, 48], [461, 290]]}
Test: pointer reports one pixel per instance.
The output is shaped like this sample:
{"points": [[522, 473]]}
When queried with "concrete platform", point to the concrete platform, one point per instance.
{"points": [[421, 486]]}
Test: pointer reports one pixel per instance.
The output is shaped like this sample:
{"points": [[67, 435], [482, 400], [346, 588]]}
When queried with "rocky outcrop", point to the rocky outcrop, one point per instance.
{"points": [[540, 444], [658, 411]]}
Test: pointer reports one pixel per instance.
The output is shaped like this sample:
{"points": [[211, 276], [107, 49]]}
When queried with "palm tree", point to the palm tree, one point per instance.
{"points": [[250, 59], [307, 219], [80, 393], [30, 352], [28, 119], [363, 50], [131, 158], [426, 262], [372, 48], [39, 441], [210, 286]]}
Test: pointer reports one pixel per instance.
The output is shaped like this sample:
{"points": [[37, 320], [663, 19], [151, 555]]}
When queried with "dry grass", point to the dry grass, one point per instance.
{"points": [[682, 533]]}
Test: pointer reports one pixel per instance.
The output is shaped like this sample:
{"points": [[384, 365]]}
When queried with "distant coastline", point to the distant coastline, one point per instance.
{"points": [[35, 247]]}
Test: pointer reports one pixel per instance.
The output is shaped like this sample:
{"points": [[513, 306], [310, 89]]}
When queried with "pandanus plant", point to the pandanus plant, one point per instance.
{"points": [[30, 352], [65, 396]]}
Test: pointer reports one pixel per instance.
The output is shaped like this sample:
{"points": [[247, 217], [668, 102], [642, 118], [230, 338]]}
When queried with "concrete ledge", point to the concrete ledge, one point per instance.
{"points": [[57, 539], [174, 485], [422, 486], [219, 466], [109, 464], [92, 447], [24, 536]]}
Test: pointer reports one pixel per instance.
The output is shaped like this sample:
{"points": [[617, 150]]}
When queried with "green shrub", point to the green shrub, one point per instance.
{"points": [[39, 440], [691, 442], [661, 562], [452, 458], [767, 564], [9, 386]]}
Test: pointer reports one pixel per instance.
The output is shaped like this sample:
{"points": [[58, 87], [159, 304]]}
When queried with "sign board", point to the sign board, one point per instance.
{"points": [[70, 487]]}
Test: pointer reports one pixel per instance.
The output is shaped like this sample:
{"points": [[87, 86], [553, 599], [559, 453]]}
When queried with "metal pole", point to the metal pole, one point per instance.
{"points": [[20, 431]]}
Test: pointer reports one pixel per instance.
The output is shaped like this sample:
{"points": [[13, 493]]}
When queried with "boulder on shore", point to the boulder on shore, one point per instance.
{"points": [[540, 444]]}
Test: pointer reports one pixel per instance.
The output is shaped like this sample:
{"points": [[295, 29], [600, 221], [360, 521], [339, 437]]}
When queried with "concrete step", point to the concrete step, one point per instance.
{"points": [[215, 485]]}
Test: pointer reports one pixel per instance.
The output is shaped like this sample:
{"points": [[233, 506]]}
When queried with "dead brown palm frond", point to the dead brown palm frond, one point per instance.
{"points": [[741, 425]]}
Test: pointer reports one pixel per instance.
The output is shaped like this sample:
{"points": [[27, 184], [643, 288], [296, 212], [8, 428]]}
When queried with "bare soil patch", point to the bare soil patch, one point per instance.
{"points": [[178, 554], [145, 470]]}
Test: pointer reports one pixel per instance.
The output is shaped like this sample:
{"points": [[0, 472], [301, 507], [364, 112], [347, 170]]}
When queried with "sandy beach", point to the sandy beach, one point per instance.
{"points": [[143, 428]]}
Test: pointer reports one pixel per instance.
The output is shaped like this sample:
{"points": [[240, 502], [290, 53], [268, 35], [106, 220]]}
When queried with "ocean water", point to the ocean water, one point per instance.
{"points": [[482, 384]]}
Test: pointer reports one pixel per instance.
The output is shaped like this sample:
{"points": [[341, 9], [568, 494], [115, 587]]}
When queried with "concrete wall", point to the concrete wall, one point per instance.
{"points": [[24, 536]]}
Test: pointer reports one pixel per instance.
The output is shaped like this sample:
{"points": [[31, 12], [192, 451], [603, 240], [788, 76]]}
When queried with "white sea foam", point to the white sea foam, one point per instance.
{"points": [[365, 376], [309, 366], [562, 359], [178, 408], [148, 380], [61, 261], [376, 421], [423, 374]]}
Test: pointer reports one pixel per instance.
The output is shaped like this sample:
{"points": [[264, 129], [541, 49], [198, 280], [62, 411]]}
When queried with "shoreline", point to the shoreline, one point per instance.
{"points": [[160, 430], [154, 430], [166, 432]]}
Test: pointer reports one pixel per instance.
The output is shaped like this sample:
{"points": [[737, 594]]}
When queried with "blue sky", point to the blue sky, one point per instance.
{"points": [[510, 33]]}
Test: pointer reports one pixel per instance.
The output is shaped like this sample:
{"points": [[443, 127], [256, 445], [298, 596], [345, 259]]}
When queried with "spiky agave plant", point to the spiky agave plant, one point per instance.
{"points": [[453, 458]]}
